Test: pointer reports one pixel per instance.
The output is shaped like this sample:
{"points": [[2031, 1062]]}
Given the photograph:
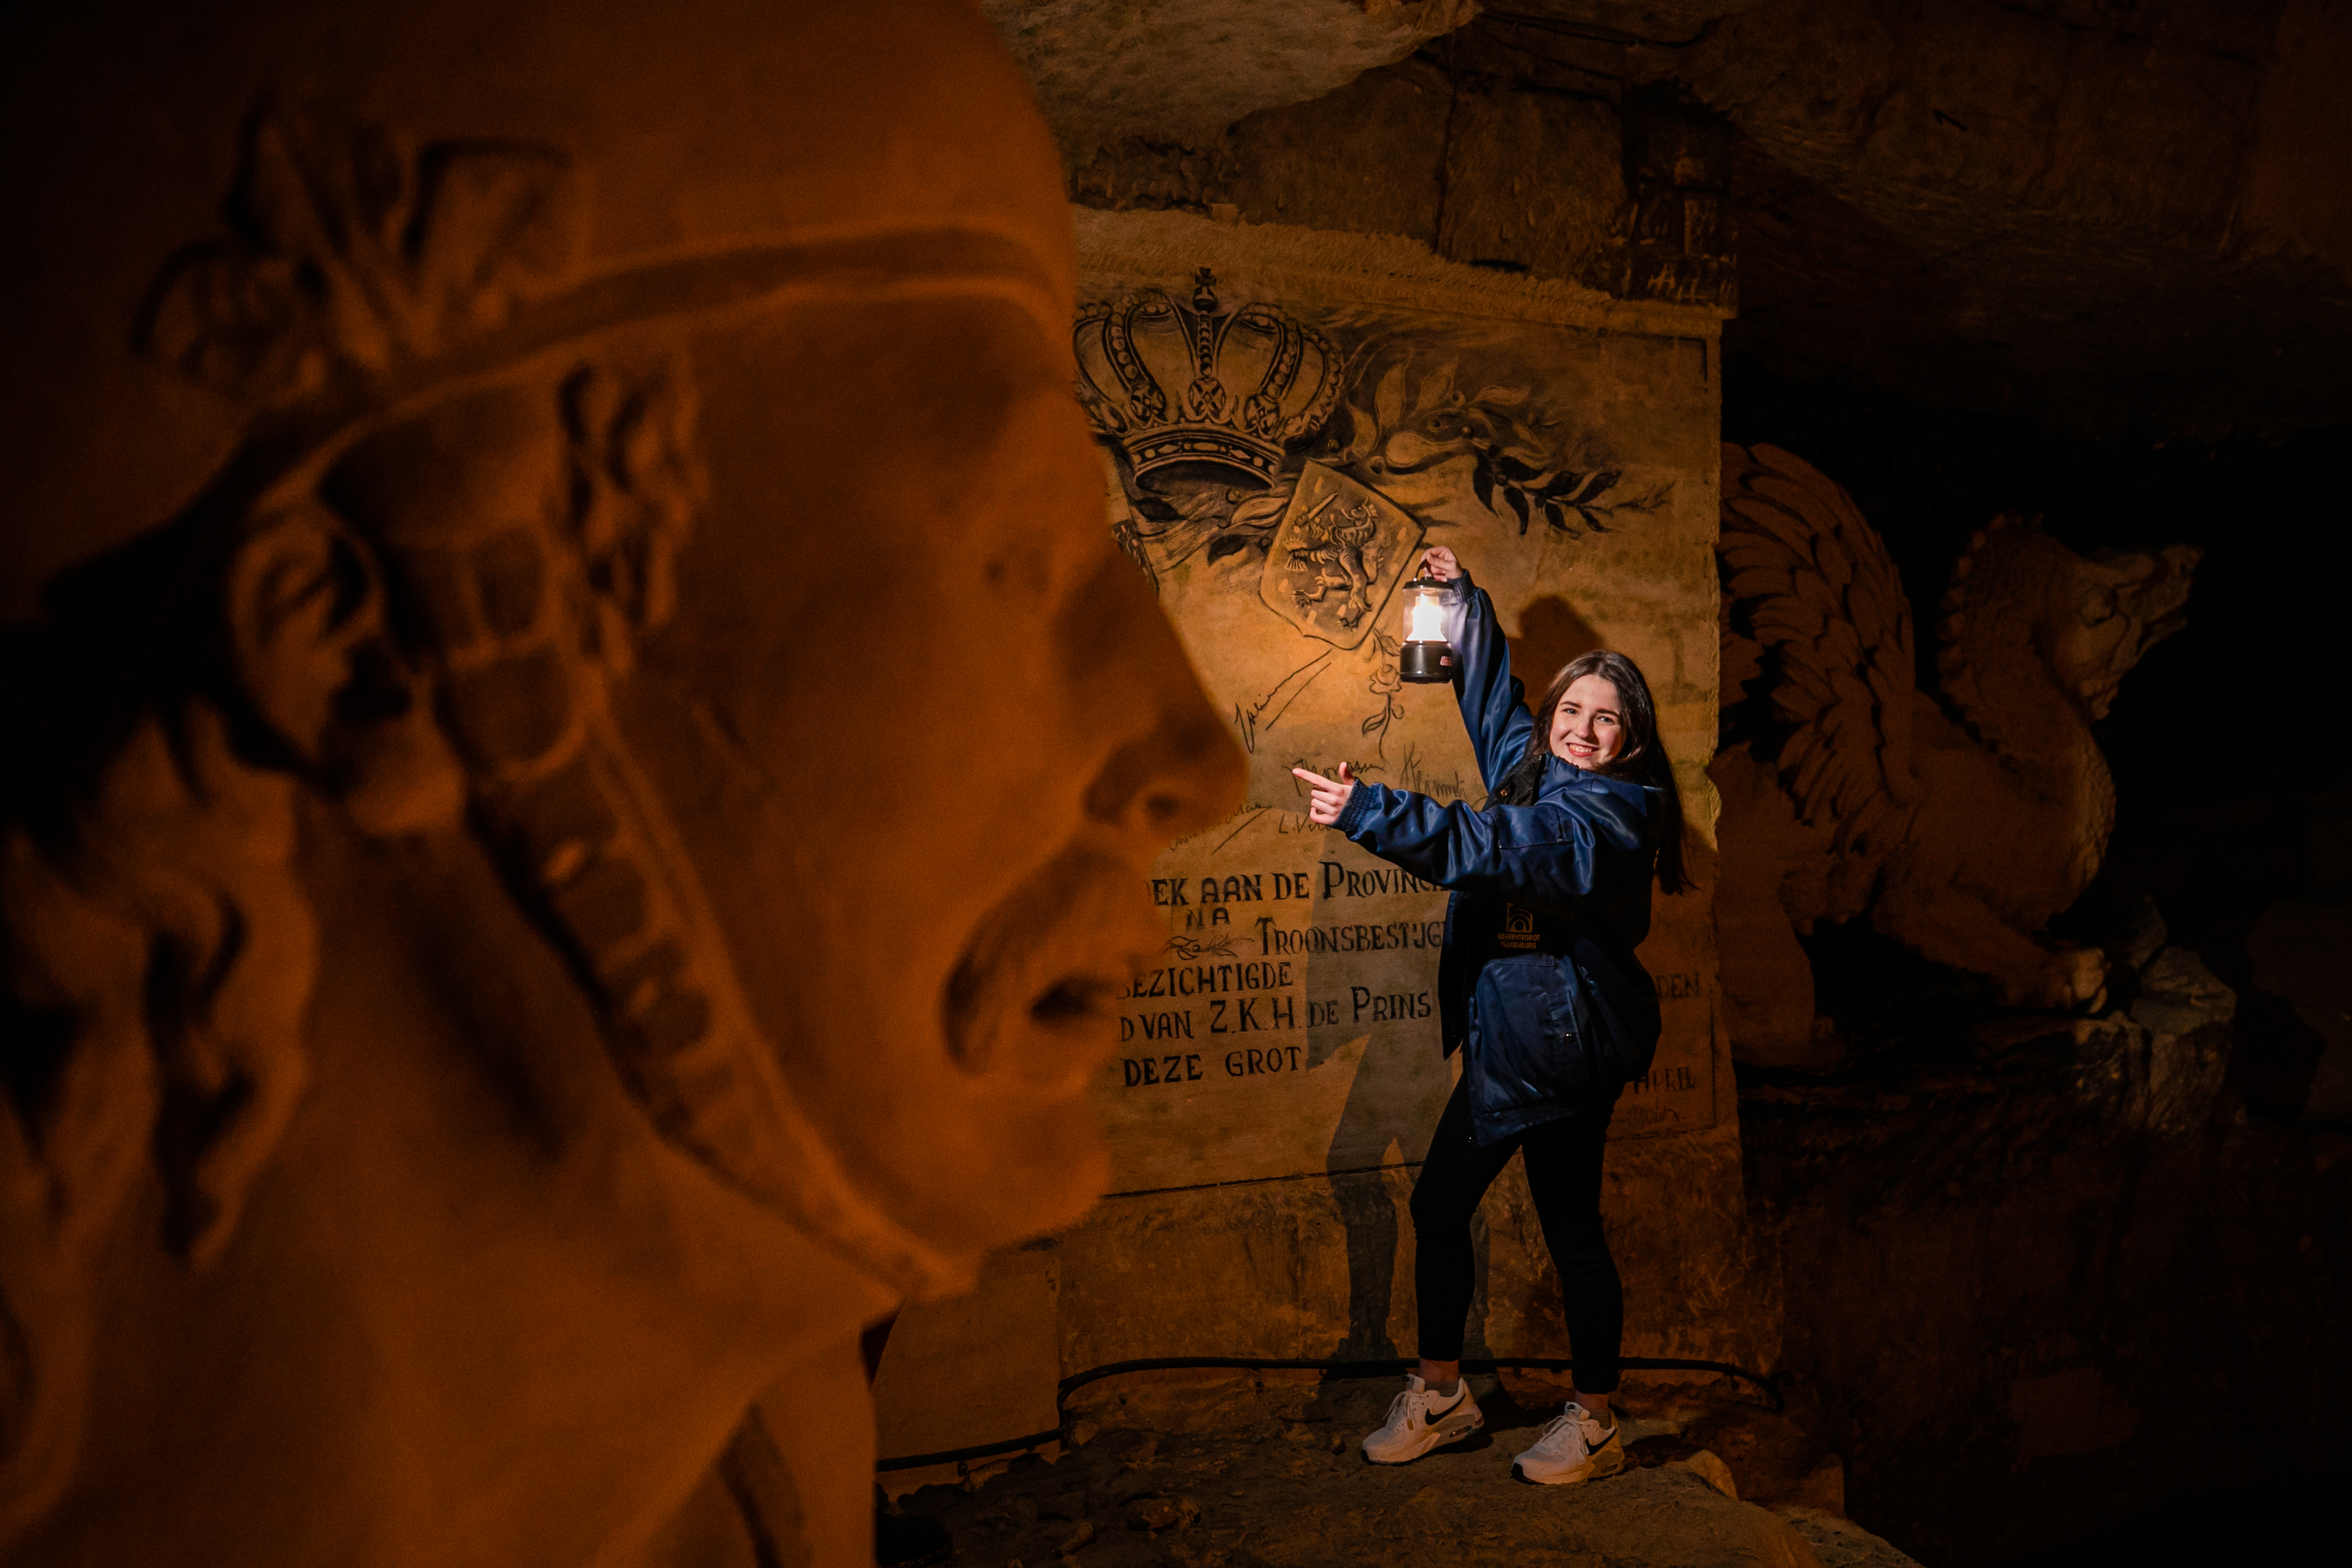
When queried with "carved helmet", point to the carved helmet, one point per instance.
{"points": [[244, 235], [246, 242]]}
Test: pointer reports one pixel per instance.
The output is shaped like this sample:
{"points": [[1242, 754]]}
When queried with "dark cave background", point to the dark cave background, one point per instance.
{"points": [[2232, 759], [2198, 1280]]}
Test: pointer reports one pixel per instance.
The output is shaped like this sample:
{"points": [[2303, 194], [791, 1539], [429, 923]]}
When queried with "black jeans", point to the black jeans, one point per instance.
{"points": [[1564, 1177]]}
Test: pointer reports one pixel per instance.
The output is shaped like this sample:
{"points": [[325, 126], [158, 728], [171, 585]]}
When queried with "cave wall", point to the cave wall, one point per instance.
{"points": [[2096, 212], [1957, 206], [1583, 174], [1280, 1074]]}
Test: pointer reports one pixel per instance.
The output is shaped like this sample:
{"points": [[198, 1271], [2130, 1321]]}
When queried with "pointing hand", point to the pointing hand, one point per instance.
{"points": [[1327, 797]]}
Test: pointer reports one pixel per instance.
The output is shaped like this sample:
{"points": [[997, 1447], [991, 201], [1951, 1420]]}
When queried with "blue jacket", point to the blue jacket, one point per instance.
{"points": [[1538, 978]]}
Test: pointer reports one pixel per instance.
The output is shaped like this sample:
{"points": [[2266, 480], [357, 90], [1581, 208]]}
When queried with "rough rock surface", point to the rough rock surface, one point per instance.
{"points": [[2093, 211], [2000, 203], [2010, 1253], [1626, 198], [1840, 1542], [1186, 69], [1241, 1476]]}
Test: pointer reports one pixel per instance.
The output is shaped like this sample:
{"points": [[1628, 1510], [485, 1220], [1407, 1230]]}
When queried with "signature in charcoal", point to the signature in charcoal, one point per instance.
{"points": [[1188, 948], [1412, 775], [1285, 692]]}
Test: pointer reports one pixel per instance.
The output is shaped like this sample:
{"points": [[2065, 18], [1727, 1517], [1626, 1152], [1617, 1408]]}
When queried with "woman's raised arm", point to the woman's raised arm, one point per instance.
{"points": [[1494, 705]]}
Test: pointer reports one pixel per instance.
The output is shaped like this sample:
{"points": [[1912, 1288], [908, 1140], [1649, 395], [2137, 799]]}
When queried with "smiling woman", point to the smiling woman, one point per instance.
{"points": [[1540, 990], [1588, 723]]}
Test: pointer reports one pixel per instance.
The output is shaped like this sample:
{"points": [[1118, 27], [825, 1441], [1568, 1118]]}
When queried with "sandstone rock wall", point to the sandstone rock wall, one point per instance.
{"points": [[2009, 1272], [1281, 1073], [1985, 202], [1623, 194]]}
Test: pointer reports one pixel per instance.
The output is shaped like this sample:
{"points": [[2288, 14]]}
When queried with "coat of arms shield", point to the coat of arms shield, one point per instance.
{"points": [[1342, 550]]}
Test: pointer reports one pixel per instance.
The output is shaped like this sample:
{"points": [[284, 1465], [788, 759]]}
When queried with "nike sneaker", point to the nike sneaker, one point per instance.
{"points": [[1574, 1447], [1420, 1419]]}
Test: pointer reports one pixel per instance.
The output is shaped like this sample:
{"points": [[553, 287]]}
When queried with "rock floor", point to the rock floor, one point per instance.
{"points": [[1238, 1476]]}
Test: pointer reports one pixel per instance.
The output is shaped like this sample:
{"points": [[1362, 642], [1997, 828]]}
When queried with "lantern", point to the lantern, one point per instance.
{"points": [[1427, 656]]}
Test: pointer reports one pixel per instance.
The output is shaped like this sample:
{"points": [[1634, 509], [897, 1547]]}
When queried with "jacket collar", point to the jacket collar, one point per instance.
{"points": [[1560, 775]]}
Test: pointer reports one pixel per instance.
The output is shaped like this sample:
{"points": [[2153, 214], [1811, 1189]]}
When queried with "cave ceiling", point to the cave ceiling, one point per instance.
{"points": [[2102, 213], [1182, 70]]}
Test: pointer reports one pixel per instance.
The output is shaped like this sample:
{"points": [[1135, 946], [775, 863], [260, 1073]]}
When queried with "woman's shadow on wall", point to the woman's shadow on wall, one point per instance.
{"points": [[1551, 632], [1376, 1115]]}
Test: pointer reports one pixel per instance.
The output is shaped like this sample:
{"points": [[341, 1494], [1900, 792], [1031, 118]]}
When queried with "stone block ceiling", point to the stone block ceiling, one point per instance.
{"points": [[2104, 213], [1184, 69]]}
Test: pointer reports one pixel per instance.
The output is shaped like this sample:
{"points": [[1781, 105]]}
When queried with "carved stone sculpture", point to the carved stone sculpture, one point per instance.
{"points": [[580, 765], [1960, 827]]}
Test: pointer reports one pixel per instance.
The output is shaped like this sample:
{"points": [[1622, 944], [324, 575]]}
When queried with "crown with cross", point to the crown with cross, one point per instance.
{"points": [[1177, 383]]}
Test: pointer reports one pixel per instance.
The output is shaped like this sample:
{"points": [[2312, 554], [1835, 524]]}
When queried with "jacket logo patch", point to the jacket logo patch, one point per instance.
{"points": [[1519, 932]]}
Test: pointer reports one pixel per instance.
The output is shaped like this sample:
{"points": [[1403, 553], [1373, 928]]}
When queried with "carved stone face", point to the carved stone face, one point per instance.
{"points": [[898, 748], [629, 896], [921, 726], [919, 893]]}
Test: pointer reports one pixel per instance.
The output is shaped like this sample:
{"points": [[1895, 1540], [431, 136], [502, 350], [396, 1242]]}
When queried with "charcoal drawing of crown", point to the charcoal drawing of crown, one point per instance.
{"points": [[1179, 383]]}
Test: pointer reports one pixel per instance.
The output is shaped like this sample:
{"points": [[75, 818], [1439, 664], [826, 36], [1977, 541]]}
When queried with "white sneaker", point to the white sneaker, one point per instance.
{"points": [[1574, 1447], [1421, 1419]]}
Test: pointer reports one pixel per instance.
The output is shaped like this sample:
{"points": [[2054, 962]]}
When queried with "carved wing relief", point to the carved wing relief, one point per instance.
{"points": [[1817, 674]]}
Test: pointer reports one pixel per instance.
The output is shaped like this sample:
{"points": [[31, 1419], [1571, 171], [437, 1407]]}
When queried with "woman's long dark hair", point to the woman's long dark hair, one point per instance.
{"points": [[1640, 755]]}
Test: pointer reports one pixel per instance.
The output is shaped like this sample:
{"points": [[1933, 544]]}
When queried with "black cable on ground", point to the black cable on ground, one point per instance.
{"points": [[1078, 1380]]}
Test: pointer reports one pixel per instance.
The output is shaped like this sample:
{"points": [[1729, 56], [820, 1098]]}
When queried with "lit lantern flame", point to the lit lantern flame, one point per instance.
{"points": [[1426, 656], [1424, 618]]}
